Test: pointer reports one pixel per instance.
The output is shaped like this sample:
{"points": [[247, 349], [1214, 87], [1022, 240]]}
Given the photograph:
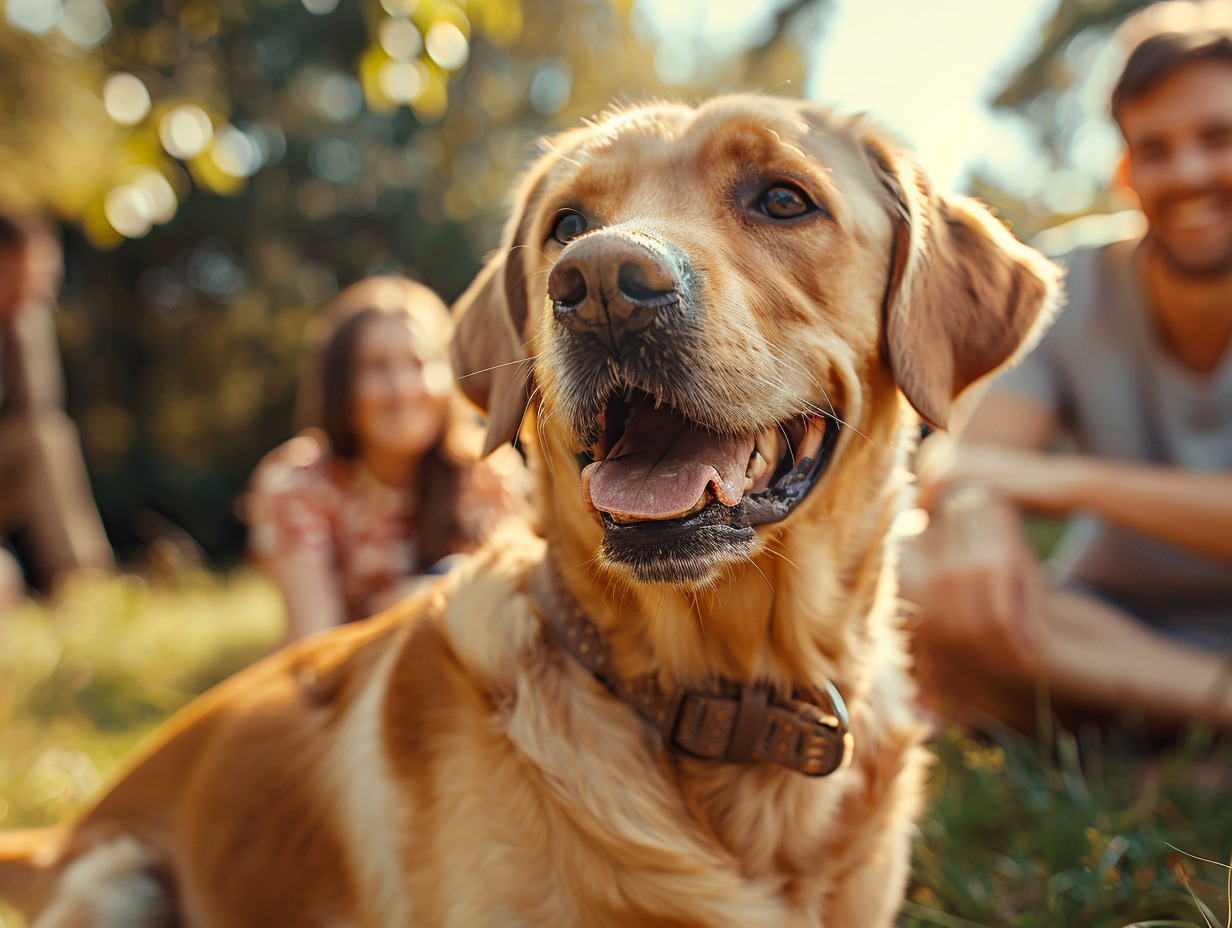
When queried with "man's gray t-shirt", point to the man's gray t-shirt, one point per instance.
{"points": [[1119, 393]]}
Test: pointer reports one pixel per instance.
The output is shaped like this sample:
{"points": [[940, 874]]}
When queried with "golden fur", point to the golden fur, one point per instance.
{"points": [[446, 764]]}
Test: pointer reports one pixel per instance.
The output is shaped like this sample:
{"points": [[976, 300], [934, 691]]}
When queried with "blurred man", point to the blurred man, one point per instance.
{"points": [[44, 491], [1137, 376]]}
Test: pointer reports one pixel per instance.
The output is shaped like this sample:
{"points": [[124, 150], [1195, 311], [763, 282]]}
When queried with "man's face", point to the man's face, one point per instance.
{"points": [[1179, 138]]}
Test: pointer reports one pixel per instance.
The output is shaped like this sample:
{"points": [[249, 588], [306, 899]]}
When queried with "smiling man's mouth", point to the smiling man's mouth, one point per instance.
{"points": [[652, 465], [1198, 213]]}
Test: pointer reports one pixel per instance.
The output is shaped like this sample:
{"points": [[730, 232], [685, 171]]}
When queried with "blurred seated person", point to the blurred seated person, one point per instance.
{"points": [[348, 516], [44, 490], [1137, 374]]}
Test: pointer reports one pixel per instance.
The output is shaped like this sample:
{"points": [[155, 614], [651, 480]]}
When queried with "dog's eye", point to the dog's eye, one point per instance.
{"points": [[569, 226], [784, 203]]}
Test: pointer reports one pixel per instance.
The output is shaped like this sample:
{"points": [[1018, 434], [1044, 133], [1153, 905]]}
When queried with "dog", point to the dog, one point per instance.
{"points": [[685, 700]]}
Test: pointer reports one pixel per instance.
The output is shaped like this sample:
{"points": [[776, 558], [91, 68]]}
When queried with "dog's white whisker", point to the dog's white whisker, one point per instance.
{"points": [[496, 367], [763, 575], [833, 412]]}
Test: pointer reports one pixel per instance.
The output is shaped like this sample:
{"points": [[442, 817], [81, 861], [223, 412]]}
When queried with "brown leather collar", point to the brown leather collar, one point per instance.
{"points": [[742, 723]]}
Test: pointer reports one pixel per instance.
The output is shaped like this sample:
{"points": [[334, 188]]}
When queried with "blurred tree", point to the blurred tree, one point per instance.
{"points": [[1046, 70], [1060, 96], [223, 166]]}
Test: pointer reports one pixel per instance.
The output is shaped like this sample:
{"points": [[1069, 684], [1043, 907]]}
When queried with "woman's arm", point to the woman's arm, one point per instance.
{"points": [[288, 509], [310, 587]]}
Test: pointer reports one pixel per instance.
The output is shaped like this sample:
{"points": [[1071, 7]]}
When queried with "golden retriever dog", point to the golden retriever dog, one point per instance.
{"points": [[688, 704]]}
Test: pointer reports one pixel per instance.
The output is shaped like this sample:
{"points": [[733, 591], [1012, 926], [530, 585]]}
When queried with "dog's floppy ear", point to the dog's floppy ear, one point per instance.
{"points": [[489, 347], [964, 297], [493, 325]]}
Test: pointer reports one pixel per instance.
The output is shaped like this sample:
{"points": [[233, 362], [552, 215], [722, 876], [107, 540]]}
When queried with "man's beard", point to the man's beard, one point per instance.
{"points": [[1201, 263], [1214, 268]]}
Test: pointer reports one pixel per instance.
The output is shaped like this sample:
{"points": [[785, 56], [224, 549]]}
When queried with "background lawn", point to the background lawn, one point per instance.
{"points": [[1069, 831]]}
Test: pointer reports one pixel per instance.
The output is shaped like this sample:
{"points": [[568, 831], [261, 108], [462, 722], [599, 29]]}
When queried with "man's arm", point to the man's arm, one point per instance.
{"points": [[1188, 508], [1011, 420], [1000, 421], [1001, 451]]}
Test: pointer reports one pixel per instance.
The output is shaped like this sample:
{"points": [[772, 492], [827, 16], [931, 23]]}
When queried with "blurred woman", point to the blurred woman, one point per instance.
{"points": [[348, 516]]}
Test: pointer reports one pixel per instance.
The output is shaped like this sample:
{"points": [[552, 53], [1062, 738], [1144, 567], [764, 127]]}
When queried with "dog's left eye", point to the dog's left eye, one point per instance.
{"points": [[783, 202], [569, 225]]}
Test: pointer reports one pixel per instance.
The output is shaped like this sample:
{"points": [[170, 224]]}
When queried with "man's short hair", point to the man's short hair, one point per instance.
{"points": [[1158, 56]]}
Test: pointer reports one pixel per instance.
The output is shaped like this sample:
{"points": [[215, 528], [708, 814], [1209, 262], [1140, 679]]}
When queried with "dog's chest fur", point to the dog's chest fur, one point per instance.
{"points": [[529, 789]]}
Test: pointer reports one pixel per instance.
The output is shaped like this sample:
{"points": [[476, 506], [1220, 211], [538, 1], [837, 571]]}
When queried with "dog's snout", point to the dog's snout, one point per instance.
{"points": [[613, 283]]}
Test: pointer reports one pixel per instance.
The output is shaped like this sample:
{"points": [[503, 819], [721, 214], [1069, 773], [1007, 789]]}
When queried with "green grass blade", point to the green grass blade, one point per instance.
{"points": [[1217, 863]]}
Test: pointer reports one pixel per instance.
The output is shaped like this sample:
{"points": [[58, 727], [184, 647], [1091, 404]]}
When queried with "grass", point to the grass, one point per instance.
{"points": [[1075, 831]]}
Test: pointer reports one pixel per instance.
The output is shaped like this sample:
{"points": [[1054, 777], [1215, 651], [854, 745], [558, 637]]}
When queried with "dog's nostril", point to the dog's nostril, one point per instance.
{"points": [[641, 285], [567, 287]]}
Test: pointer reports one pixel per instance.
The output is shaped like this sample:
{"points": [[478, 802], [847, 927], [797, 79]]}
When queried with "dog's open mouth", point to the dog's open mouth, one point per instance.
{"points": [[669, 491]]}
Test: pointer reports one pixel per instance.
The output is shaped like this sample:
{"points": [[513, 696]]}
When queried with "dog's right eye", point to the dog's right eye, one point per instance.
{"points": [[783, 202], [569, 225]]}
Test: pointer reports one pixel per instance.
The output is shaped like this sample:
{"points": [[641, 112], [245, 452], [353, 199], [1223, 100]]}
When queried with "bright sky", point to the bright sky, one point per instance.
{"points": [[925, 67], [922, 67]]}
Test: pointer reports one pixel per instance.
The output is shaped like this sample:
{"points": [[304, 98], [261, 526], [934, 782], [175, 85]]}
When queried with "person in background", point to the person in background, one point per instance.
{"points": [[348, 516], [44, 490], [1136, 375]]}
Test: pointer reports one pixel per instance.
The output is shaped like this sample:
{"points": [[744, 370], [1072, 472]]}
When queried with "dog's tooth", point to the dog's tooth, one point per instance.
{"points": [[811, 443], [702, 501], [757, 467], [767, 445]]}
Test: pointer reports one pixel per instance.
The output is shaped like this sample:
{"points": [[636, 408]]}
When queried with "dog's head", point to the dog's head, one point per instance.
{"points": [[722, 305]]}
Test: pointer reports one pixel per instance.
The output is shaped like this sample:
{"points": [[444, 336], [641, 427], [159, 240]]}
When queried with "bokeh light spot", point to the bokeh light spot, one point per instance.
{"points": [[235, 152], [399, 7], [130, 210], [85, 22], [320, 7], [336, 160], [163, 201], [160, 286], [402, 81], [35, 17], [213, 269], [126, 98], [186, 131], [400, 39], [549, 90], [337, 97], [447, 46]]}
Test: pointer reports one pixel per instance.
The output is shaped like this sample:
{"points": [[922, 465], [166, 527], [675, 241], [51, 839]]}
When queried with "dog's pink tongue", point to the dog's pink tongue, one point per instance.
{"points": [[659, 469]]}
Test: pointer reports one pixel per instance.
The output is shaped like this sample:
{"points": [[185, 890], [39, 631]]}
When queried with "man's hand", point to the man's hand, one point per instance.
{"points": [[973, 576], [1050, 484]]}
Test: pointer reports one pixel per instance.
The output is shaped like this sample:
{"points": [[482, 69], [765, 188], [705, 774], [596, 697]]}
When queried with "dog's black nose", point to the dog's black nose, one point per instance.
{"points": [[614, 283]]}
